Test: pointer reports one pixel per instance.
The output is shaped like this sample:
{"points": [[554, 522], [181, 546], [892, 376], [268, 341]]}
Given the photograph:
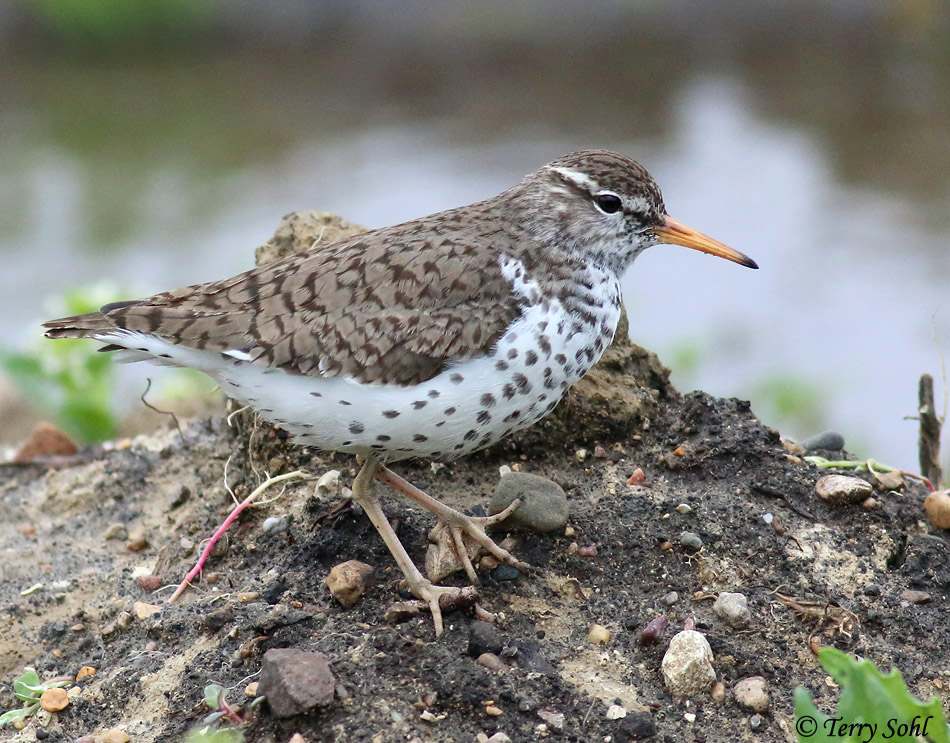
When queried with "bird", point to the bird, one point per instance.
{"points": [[430, 339]]}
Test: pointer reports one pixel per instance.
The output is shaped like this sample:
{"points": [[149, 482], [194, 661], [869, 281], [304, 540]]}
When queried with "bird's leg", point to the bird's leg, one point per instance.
{"points": [[460, 527], [436, 598]]}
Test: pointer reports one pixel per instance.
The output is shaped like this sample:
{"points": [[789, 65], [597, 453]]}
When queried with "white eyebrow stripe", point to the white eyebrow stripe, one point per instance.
{"points": [[579, 179]]}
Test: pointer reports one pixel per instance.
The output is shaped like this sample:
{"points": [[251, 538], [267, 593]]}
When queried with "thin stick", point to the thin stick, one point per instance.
{"points": [[149, 405], [928, 443], [224, 527]]}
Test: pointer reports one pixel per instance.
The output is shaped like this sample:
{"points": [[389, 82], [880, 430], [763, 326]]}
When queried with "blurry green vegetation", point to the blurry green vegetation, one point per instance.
{"points": [[791, 400], [873, 706], [69, 379], [116, 23]]}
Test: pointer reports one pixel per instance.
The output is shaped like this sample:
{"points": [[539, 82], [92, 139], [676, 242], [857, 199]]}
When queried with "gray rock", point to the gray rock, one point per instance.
{"points": [[543, 505], [687, 665], [295, 681], [691, 541], [733, 609], [484, 637], [829, 440]]}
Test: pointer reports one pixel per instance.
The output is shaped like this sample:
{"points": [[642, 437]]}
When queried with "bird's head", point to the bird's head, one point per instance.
{"points": [[608, 208]]}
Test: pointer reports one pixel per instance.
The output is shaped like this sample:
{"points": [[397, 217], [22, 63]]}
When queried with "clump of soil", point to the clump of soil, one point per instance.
{"points": [[81, 542]]}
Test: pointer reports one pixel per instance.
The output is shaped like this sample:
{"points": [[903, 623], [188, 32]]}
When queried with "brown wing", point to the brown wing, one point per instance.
{"points": [[392, 306]]}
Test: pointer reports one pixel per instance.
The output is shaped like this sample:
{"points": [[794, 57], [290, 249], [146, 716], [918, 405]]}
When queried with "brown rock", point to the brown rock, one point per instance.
{"points": [[295, 681], [116, 736], [491, 661], [840, 489], [149, 583], [937, 506], [84, 672], [348, 581], [752, 693], [46, 440], [53, 700]]}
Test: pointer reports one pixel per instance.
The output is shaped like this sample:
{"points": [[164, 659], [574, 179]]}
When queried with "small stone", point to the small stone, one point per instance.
{"points": [[687, 665], [277, 524], [599, 634], [248, 597], [297, 738], [616, 712], [600, 452], [484, 637], [491, 661], [180, 498], [670, 598], [869, 504], [637, 477], [828, 440], [733, 609], [554, 719], [117, 532], [839, 489], [915, 597], [54, 700], [137, 540], [329, 482], [638, 725], [756, 722], [218, 618], [251, 689], [46, 440], [543, 506], [718, 692], [690, 541], [505, 573], [400, 611], [149, 583], [581, 455], [295, 681], [85, 672], [143, 610], [937, 507], [493, 710], [684, 508], [690, 717], [588, 550], [653, 631], [348, 581], [499, 737], [123, 620], [115, 735], [679, 451], [752, 693]]}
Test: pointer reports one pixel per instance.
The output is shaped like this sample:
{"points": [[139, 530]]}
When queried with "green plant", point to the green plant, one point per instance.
{"points": [[28, 689], [69, 379], [873, 707]]}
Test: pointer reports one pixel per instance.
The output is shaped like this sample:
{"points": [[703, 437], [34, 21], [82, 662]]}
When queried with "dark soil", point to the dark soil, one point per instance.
{"points": [[268, 590]]}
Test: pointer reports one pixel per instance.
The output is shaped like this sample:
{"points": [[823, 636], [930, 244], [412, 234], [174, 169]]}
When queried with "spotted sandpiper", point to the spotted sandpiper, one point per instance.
{"points": [[433, 338]]}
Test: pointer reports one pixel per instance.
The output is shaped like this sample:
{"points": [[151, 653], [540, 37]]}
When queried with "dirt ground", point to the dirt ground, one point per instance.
{"points": [[77, 539]]}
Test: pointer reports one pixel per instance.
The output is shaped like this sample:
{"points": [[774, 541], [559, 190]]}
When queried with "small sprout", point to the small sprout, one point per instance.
{"points": [[28, 689]]}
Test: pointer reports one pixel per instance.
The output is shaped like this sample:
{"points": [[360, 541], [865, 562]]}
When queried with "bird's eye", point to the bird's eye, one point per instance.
{"points": [[608, 202]]}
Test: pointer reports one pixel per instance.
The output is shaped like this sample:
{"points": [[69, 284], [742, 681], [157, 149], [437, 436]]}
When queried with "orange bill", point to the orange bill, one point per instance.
{"points": [[677, 233]]}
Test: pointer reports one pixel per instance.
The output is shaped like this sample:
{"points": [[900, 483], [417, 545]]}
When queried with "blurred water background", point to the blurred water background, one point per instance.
{"points": [[155, 144]]}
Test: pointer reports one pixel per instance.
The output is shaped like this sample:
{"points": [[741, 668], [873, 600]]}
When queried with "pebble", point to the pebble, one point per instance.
{"points": [[670, 598], [295, 681], [543, 506], [85, 672], [149, 583], [733, 609], [756, 722], [937, 507], [840, 489], [53, 700], [505, 573], [348, 581], [493, 710], [637, 477], [687, 665], [277, 524], [551, 718], [499, 737], [484, 637], [690, 541], [116, 531], [251, 689], [599, 634], [491, 661], [143, 610], [653, 631], [690, 717], [635, 726], [45, 440], [137, 541], [329, 482], [718, 692], [616, 712], [580, 455], [752, 693], [829, 440], [915, 597], [684, 508], [115, 735]]}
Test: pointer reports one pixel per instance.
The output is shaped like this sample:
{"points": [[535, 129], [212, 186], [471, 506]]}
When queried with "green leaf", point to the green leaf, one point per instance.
{"points": [[873, 706], [211, 734], [18, 714], [214, 695], [28, 687]]}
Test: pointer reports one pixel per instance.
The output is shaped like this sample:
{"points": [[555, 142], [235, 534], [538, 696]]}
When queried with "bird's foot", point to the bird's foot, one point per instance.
{"points": [[458, 540], [436, 599]]}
